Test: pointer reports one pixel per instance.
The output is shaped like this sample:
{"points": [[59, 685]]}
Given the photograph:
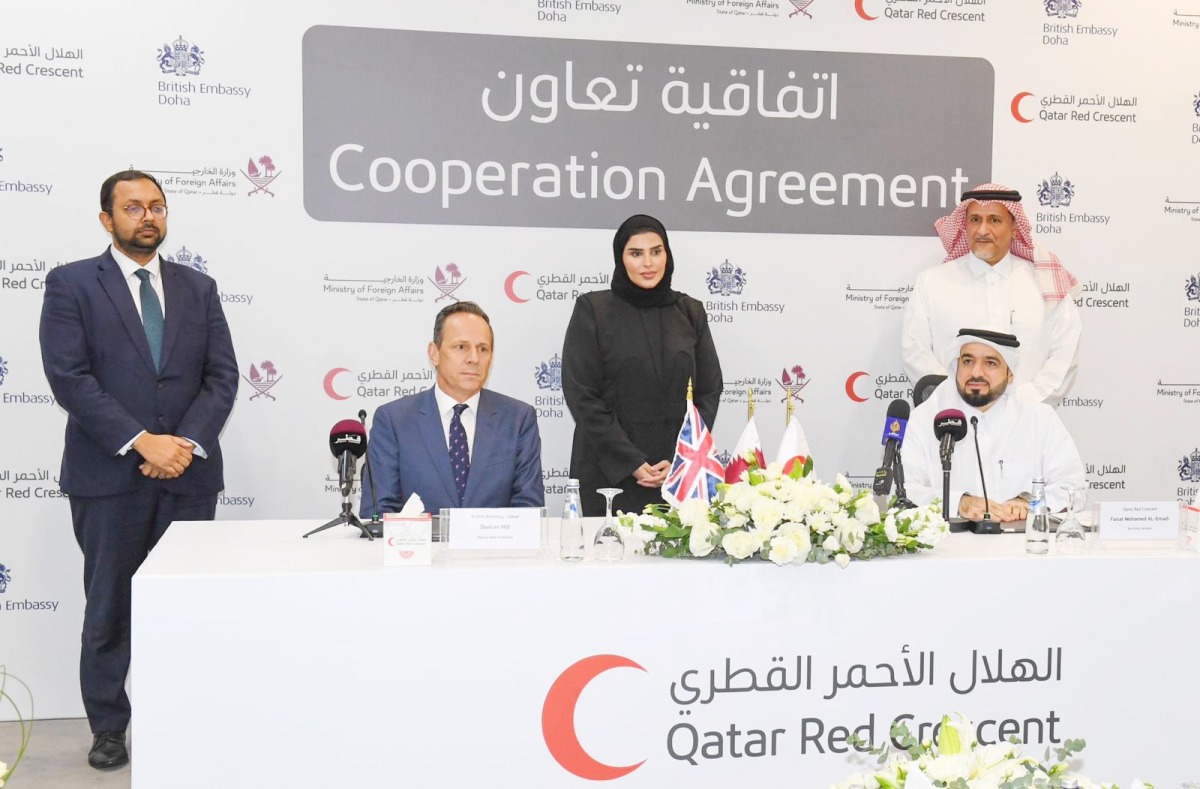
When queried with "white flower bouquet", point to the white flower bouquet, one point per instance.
{"points": [[787, 517], [958, 761]]}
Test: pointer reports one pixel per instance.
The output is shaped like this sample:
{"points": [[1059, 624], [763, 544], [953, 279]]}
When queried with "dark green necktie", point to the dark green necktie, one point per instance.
{"points": [[152, 316]]}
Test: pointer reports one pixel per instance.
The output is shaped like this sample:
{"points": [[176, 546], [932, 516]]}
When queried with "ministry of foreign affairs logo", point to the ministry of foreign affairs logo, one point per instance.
{"points": [[801, 7], [793, 380], [447, 282], [549, 375], [726, 280], [183, 59], [1189, 467], [5, 578], [186, 257], [261, 175], [3, 370], [1056, 192], [1063, 9], [263, 377]]}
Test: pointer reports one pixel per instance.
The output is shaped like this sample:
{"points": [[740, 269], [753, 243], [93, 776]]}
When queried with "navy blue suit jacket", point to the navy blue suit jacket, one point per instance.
{"points": [[408, 453], [98, 362]]}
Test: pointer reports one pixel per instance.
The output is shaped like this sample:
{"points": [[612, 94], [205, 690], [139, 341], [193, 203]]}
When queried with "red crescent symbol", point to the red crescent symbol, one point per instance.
{"points": [[1015, 107], [858, 6], [850, 387], [329, 376], [558, 718], [508, 286]]}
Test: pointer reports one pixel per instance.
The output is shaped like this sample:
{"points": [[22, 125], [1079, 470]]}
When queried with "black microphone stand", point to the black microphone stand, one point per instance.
{"points": [[347, 515], [902, 500], [374, 528], [956, 523], [987, 525]]}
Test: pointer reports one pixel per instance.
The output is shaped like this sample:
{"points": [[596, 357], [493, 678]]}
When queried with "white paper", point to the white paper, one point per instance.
{"points": [[407, 542]]}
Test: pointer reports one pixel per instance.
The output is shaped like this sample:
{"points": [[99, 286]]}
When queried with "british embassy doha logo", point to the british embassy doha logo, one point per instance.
{"points": [[3, 370], [1056, 192], [726, 280], [182, 59], [5, 578], [1063, 9], [548, 376], [185, 257], [1189, 467]]}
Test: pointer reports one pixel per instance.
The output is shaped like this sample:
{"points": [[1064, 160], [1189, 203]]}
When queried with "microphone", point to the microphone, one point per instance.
{"points": [[987, 525], [347, 442], [375, 526], [893, 437], [949, 427]]}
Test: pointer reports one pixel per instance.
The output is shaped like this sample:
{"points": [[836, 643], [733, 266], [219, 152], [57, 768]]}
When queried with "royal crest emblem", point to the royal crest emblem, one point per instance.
{"points": [[793, 383], [183, 59], [1189, 467], [261, 178], [5, 578], [447, 282], [3, 370], [186, 257], [1195, 106], [726, 280], [1063, 9], [1191, 288], [263, 377], [549, 375], [724, 457], [1056, 192]]}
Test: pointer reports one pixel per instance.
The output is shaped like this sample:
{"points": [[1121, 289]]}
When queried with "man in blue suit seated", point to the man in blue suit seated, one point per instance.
{"points": [[456, 444]]}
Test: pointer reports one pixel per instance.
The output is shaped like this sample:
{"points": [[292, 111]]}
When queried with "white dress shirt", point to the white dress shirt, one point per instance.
{"points": [[129, 269], [969, 293], [446, 405]]}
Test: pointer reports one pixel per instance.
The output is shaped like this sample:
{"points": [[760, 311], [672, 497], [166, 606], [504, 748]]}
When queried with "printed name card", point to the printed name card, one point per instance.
{"points": [[1139, 520], [407, 542], [514, 528]]}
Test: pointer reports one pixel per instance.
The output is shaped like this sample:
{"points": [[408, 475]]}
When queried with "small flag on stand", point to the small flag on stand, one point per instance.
{"points": [[695, 471]]}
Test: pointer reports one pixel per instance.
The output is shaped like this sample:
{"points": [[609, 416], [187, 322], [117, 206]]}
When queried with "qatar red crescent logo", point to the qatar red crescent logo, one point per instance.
{"points": [[850, 390], [558, 718], [1015, 106], [509, 284], [862, 11], [330, 377]]}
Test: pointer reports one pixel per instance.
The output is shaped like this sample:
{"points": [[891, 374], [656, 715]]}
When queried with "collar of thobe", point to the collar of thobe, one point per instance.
{"points": [[981, 269]]}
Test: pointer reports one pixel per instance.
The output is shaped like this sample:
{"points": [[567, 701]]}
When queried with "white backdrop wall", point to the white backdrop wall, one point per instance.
{"points": [[335, 290]]}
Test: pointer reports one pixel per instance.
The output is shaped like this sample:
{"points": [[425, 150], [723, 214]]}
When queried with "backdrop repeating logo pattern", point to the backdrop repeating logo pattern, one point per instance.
{"points": [[262, 377], [447, 282], [186, 257], [793, 381], [1063, 9], [3, 370], [261, 178], [1189, 467], [548, 375], [726, 280], [5, 578], [182, 58]]}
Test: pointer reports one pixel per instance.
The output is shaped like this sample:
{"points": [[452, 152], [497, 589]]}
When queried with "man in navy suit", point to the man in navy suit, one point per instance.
{"points": [[456, 444], [138, 352]]}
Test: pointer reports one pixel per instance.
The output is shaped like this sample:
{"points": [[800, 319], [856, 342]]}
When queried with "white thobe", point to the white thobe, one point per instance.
{"points": [[1018, 441], [968, 293]]}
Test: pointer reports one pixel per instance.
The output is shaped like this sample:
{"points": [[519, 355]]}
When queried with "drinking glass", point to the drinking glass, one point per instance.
{"points": [[608, 545]]}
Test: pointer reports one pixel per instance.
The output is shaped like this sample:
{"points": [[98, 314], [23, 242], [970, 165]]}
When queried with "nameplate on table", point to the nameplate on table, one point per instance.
{"points": [[407, 542], [496, 529], [1139, 520]]}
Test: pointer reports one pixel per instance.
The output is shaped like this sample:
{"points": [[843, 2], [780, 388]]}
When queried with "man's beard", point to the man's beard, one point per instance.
{"points": [[980, 399], [137, 242]]}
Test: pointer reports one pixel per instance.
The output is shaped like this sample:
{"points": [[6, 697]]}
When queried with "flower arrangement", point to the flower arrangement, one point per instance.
{"points": [[26, 725], [958, 761], [786, 516]]}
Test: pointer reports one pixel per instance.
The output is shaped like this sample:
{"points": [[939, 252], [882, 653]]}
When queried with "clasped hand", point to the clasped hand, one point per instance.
{"points": [[165, 456], [973, 508], [652, 476]]}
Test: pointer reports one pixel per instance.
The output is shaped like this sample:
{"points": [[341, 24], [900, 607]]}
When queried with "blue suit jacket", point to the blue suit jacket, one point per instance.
{"points": [[98, 362], [407, 449]]}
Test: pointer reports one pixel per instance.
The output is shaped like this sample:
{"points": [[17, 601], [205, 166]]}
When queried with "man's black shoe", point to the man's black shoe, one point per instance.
{"points": [[108, 750]]}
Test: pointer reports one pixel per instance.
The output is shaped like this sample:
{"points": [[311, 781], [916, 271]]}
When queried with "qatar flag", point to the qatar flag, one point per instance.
{"points": [[748, 443]]}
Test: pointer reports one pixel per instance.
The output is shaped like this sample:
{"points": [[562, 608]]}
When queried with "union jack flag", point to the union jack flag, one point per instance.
{"points": [[696, 471]]}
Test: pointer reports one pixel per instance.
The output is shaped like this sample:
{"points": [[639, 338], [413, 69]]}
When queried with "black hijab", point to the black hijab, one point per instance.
{"points": [[661, 294]]}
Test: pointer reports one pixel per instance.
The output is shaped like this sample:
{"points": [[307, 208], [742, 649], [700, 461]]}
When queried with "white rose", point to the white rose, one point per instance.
{"points": [[831, 543], [842, 559], [783, 551], [799, 535], [693, 512], [766, 513], [820, 523], [700, 540], [840, 519], [736, 521], [866, 511], [741, 544]]}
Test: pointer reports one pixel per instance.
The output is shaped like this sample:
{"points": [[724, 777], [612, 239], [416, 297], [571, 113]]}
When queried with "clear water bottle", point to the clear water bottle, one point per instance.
{"points": [[1037, 523], [570, 534]]}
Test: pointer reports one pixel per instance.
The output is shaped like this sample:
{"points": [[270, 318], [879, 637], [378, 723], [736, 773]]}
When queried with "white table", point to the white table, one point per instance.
{"points": [[261, 659]]}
